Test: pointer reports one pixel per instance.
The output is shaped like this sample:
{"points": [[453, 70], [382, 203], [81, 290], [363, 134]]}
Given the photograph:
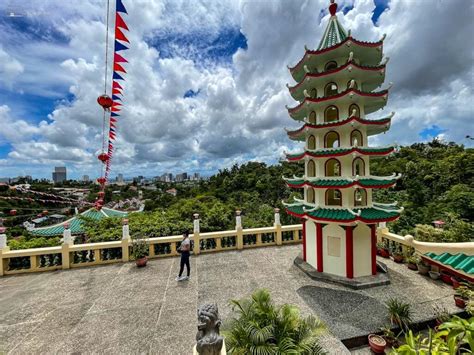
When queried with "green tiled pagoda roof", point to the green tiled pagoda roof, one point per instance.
{"points": [[329, 152], [372, 126], [368, 214], [333, 35], [461, 262], [324, 183], [75, 223]]}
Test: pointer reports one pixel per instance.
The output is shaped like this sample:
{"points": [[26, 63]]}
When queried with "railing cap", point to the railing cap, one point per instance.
{"points": [[125, 221]]}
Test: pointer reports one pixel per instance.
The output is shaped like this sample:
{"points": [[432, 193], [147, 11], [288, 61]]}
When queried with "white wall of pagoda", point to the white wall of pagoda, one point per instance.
{"points": [[334, 250], [362, 250], [311, 243]]}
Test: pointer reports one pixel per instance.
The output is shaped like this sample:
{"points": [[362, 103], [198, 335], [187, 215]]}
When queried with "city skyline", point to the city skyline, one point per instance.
{"points": [[226, 103]]}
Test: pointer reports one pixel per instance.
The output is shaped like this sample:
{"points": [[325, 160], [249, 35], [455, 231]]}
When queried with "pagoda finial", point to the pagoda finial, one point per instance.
{"points": [[333, 8]]}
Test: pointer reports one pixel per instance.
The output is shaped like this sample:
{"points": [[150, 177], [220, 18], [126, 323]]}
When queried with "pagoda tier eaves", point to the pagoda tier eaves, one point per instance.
{"points": [[339, 182], [350, 44], [369, 215], [355, 70], [373, 126], [337, 152], [375, 98]]}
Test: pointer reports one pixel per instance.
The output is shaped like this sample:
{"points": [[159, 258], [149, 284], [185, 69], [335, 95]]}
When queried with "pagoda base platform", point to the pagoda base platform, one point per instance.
{"points": [[357, 283]]}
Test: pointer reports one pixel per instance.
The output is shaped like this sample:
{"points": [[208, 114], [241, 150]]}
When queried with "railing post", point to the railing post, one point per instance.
{"points": [[196, 231], [67, 241], [238, 229], [125, 240], [382, 228], [278, 236], [3, 248]]}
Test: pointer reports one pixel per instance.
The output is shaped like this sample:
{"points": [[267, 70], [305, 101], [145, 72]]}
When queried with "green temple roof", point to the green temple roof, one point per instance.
{"points": [[460, 262], [367, 214], [333, 35], [75, 223], [330, 152], [343, 183], [372, 126]]}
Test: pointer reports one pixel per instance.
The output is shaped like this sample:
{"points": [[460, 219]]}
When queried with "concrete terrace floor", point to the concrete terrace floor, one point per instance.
{"points": [[119, 308]]}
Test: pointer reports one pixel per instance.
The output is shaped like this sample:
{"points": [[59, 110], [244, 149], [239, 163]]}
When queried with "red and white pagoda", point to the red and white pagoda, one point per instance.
{"points": [[336, 88]]}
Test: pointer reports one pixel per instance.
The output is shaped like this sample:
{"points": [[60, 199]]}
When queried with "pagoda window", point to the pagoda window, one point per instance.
{"points": [[331, 140], [358, 167], [355, 86], [314, 93], [331, 114], [311, 142], [311, 169], [330, 65], [312, 117], [310, 196], [332, 167], [330, 89], [360, 197], [333, 197], [354, 110], [356, 138]]}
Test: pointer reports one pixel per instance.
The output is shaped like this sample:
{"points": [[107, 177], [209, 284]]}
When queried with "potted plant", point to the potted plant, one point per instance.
{"points": [[377, 343], [389, 336], [462, 295], [412, 262], [456, 282], [382, 250], [434, 274], [446, 277], [140, 251], [397, 257], [423, 267]]}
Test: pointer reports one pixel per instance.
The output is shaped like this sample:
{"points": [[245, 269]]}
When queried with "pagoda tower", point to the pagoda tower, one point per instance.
{"points": [[336, 87]]}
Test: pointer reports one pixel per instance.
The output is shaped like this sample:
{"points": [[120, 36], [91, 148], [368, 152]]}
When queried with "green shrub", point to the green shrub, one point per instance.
{"points": [[260, 327], [23, 243]]}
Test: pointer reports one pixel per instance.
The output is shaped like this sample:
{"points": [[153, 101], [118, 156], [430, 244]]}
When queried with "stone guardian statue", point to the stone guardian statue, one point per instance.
{"points": [[209, 342]]}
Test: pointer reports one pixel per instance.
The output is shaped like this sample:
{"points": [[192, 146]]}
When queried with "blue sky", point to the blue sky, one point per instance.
{"points": [[206, 82]]}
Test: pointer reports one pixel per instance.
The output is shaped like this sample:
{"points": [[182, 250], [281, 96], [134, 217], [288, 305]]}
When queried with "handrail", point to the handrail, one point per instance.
{"points": [[427, 247], [70, 255]]}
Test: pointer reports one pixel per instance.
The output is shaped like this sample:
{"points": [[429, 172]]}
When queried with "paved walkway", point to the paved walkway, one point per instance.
{"points": [[121, 309]]}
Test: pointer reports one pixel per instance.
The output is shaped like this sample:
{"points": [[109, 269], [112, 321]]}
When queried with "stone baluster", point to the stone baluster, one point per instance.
{"points": [[3, 248], [126, 240], [67, 241], [277, 225], [238, 228], [196, 231]]}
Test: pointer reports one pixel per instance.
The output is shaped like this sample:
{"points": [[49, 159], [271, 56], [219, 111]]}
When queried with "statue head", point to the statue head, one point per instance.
{"points": [[208, 317]]}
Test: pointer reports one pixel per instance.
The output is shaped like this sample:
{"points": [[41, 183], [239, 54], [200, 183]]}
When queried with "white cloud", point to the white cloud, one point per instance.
{"points": [[239, 113], [10, 68]]}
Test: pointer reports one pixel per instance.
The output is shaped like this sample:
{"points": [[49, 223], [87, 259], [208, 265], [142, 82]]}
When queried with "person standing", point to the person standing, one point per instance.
{"points": [[184, 249]]}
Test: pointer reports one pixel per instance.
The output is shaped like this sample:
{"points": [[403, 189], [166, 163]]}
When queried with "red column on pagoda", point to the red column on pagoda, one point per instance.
{"points": [[304, 239], [349, 252], [373, 243], [319, 246]]}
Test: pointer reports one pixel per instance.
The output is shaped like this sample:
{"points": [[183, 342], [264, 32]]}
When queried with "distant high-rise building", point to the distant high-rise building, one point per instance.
{"points": [[196, 176], [119, 178], [181, 177], [85, 178], [59, 174]]}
